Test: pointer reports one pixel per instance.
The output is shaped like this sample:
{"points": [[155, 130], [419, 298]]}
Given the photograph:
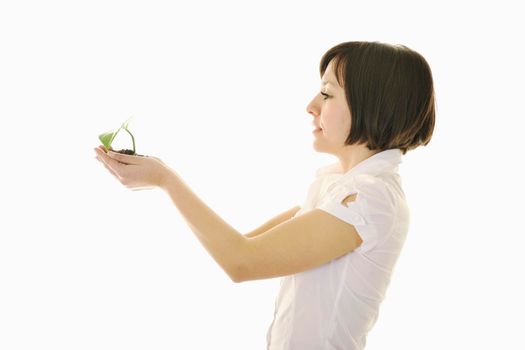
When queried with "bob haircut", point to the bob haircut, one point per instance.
{"points": [[389, 91]]}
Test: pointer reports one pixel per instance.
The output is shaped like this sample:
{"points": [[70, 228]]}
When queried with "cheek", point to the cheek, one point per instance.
{"points": [[337, 128], [336, 120], [329, 117]]}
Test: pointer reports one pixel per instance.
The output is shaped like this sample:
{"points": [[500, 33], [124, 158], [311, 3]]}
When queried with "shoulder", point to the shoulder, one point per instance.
{"points": [[376, 199], [369, 186]]}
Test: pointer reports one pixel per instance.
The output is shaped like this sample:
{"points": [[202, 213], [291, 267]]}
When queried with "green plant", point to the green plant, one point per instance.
{"points": [[108, 137]]}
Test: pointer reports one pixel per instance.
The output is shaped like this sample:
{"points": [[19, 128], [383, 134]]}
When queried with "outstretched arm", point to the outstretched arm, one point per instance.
{"points": [[290, 246], [221, 240]]}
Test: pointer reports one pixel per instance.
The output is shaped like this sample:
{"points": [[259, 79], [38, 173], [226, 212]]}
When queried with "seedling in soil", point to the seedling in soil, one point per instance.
{"points": [[108, 137]]}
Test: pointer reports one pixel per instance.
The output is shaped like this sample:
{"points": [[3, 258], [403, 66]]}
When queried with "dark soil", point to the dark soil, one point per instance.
{"points": [[128, 151]]}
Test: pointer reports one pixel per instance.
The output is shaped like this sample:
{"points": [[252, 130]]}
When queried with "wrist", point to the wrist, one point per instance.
{"points": [[165, 178]]}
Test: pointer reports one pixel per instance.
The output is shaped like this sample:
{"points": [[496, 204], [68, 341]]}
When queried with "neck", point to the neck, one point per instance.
{"points": [[352, 155]]}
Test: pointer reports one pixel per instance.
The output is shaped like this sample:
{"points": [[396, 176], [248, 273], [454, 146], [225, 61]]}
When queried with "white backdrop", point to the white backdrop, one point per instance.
{"points": [[218, 91]]}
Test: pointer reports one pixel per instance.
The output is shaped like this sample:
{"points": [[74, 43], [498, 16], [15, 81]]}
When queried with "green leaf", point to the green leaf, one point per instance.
{"points": [[108, 137]]}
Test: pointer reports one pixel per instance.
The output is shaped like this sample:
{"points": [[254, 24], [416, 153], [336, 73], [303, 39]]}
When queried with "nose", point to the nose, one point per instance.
{"points": [[313, 107]]}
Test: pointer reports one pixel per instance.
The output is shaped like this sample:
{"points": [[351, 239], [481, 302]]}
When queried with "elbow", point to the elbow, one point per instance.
{"points": [[236, 275], [239, 272], [235, 279]]}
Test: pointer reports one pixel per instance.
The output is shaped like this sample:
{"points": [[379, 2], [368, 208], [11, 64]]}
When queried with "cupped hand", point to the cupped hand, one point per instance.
{"points": [[135, 172]]}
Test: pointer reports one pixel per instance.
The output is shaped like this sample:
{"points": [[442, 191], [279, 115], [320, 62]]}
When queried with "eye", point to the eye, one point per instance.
{"points": [[325, 96]]}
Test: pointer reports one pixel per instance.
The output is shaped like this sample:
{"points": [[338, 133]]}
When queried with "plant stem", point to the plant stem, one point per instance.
{"points": [[132, 139]]}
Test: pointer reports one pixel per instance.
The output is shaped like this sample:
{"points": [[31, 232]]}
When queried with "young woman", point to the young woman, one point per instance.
{"points": [[336, 253]]}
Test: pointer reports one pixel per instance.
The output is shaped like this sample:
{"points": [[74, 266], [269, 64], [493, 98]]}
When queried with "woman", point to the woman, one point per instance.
{"points": [[336, 253]]}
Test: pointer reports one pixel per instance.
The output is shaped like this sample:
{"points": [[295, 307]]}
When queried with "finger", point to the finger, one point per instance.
{"points": [[109, 169], [124, 158], [110, 164], [115, 164], [100, 149]]}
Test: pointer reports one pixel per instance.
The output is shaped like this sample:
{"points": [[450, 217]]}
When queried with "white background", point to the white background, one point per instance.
{"points": [[218, 91]]}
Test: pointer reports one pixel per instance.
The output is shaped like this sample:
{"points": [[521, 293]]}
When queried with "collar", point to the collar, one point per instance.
{"points": [[384, 161]]}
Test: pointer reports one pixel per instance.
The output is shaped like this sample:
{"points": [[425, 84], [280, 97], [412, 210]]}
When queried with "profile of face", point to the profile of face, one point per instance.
{"points": [[331, 113]]}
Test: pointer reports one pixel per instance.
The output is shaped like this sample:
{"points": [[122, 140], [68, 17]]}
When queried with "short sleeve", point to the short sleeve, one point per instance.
{"points": [[372, 213]]}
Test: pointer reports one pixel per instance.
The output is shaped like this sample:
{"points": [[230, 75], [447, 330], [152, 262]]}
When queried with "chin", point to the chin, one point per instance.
{"points": [[319, 148]]}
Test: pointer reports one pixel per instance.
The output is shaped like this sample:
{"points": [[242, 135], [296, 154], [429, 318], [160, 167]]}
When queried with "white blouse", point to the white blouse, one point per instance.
{"points": [[335, 305]]}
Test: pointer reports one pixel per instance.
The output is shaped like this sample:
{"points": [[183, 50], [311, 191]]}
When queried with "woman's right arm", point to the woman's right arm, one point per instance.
{"points": [[288, 214]]}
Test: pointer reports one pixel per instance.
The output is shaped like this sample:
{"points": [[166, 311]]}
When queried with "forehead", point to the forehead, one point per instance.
{"points": [[329, 77]]}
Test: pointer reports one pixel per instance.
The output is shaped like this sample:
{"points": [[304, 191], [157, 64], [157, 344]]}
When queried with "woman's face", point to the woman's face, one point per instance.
{"points": [[331, 113]]}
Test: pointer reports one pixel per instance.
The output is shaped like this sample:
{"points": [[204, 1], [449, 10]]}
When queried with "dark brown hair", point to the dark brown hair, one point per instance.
{"points": [[389, 91]]}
